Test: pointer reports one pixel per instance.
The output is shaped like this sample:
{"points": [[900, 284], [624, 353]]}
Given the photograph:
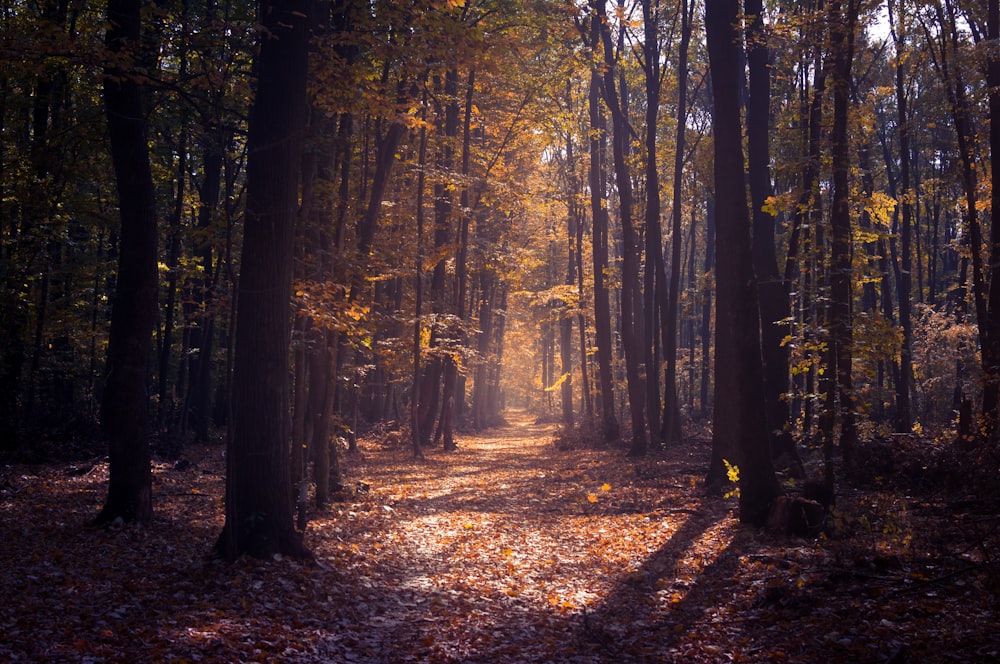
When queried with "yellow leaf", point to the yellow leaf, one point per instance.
{"points": [[605, 487], [592, 498], [507, 552], [468, 526]]}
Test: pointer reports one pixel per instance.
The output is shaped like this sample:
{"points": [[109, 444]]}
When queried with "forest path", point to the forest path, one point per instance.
{"points": [[511, 549]]}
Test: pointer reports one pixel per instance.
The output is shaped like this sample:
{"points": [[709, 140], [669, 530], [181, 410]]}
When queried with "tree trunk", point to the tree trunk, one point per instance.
{"points": [[843, 25], [773, 291], [991, 349], [599, 212], [672, 412], [655, 277], [258, 497], [904, 415], [125, 405], [739, 399]]}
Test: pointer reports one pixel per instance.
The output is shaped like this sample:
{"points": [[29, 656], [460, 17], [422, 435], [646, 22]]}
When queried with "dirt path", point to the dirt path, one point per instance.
{"points": [[507, 550]]}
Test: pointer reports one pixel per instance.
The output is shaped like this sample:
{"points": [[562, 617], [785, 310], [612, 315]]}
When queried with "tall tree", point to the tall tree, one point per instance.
{"points": [[991, 347], [843, 22], [739, 397], [616, 97], [671, 418], [904, 417], [125, 405], [599, 214], [258, 497], [655, 276], [773, 290]]}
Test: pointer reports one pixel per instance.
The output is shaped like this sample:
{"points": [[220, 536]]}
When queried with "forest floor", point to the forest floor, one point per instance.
{"points": [[506, 550]]}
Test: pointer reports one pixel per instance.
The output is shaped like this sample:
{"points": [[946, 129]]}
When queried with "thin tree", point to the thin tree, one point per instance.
{"points": [[904, 417], [671, 418], [599, 214], [843, 21], [655, 276], [773, 290]]}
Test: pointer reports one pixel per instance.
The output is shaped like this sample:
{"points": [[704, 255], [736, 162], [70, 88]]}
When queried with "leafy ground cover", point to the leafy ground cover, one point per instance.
{"points": [[507, 550]]}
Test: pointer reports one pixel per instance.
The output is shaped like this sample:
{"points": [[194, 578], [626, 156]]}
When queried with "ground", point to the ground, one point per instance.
{"points": [[506, 550]]}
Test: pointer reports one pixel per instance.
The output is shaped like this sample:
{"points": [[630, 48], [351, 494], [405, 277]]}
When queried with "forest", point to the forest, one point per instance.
{"points": [[499, 330]]}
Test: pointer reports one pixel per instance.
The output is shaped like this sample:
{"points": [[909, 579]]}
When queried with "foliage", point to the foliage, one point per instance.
{"points": [[946, 363]]}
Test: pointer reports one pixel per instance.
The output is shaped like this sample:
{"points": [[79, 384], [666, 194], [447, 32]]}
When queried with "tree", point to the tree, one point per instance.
{"points": [[773, 290], [599, 219], [671, 418], [616, 97], [739, 403], [991, 348], [124, 408], [654, 277], [843, 24], [904, 417], [258, 497]]}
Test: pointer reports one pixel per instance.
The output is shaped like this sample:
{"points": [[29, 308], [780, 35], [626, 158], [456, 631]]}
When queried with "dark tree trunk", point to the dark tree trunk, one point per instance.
{"points": [[773, 291], [125, 405], [258, 497], [599, 212], [655, 277], [991, 349], [904, 414], [843, 24], [740, 420]]}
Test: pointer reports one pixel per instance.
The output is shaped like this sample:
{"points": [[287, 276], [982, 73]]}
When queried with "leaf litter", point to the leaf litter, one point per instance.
{"points": [[507, 549]]}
